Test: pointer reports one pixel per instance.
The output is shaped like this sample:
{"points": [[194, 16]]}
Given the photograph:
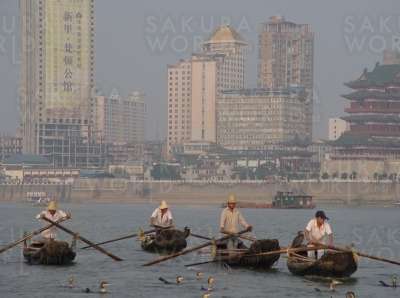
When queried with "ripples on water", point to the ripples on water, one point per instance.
{"points": [[373, 230]]}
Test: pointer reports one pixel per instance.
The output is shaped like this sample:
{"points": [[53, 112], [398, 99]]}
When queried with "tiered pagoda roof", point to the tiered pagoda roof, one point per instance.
{"points": [[351, 140], [366, 94], [376, 118], [379, 76], [296, 142]]}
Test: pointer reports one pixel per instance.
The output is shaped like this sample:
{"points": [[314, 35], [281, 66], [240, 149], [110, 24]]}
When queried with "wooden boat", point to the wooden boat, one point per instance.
{"points": [[333, 264], [168, 240], [259, 262], [49, 253]]}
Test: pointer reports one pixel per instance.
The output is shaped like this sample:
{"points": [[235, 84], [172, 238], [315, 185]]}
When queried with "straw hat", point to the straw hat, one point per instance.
{"points": [[163, 205], [232, 199], [52, 205]]}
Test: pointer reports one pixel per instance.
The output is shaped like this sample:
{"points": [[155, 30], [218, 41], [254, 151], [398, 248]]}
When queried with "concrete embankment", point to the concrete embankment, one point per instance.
{"points": [[119, 190]]}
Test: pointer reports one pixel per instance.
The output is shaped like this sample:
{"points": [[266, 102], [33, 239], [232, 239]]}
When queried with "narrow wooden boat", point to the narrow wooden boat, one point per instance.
{"points": [[170, 240], [242, 251], [332, 264], [49, 253]]}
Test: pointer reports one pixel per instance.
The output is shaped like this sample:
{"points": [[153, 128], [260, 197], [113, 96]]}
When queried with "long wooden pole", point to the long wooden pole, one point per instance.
{"points": [[199, 236], [30, 235], [122, 238], [240, 236], [76, 235], [293, 250], [190, 250], [368, 256]]}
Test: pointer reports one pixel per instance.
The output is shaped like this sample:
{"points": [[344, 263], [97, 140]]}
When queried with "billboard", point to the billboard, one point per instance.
{"points": [[68, 51]]}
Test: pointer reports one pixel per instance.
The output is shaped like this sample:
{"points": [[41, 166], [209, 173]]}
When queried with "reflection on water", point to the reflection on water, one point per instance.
{"points": [[373, 231]]}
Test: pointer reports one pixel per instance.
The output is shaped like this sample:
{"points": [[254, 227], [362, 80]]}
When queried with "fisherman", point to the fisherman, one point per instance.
{"points": [[315, 234], [163, 216], [53, 214], [229, 222]]}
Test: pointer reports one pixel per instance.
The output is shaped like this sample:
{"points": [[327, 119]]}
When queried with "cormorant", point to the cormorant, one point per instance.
{"points": [[206, 295], [350, 295], [178, 280], [394, 280], [210, 285], [101, 288], [199, 275], [298, 240], [70, 285], [333, 283]]}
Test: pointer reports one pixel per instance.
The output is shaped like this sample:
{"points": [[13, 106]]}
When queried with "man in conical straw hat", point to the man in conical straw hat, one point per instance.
{"points": [[163, 216], [53, 214], [230, 218]]}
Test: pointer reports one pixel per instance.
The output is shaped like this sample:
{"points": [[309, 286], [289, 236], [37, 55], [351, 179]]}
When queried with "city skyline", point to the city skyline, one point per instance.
{"points": [[137, 61]]}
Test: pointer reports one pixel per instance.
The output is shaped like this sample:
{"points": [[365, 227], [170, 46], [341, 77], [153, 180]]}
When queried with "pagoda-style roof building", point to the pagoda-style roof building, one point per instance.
{"points": [[374, 116], [295, 155]]}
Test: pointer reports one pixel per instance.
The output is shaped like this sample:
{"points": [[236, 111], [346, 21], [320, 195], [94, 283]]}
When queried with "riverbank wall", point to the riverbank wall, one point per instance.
{"points": [[119, 190]]}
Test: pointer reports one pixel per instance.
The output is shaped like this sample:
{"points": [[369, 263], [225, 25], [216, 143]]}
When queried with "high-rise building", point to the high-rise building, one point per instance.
{"points": [[57, 74], [250, 118], [337, 126], [194, 85], [121, 120], [286, 58]]}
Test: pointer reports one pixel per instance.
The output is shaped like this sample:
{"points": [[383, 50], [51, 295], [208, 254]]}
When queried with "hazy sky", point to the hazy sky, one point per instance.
{"points": [[349, 36]]}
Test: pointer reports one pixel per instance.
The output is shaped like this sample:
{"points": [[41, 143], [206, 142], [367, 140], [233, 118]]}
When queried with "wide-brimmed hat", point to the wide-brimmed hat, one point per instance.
{"points": [[52, 205], [163, 205], [321, 214], [231, 199]]}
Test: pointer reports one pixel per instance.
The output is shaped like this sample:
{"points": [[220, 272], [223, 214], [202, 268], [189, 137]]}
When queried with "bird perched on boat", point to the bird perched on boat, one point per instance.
{"points": [[178, 280], [206, 295], [298, 240], [70, 285], [102, 287], [210, 285], [350, 295], [394, 280], [199, 275], [333, 283]]}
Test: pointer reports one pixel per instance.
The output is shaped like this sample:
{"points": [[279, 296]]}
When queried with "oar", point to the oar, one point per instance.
{"points": [[122, 238], [76, 235], [30, 235], [275, 252], [240, 236], [190, 250], [368, 256], [199, 236]]}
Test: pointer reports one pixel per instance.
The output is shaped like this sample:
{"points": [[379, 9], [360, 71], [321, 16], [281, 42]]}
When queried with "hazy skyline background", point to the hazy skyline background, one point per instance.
{"points": [[128, 57]]}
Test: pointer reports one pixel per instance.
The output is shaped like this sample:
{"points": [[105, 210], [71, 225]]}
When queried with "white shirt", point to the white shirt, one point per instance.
{"points": [[51, 232], [162, 220], [229, 220], [317, 234]]}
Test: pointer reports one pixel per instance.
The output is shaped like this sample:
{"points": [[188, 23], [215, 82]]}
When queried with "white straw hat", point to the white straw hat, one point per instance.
{"points": [[232, 199], [52, 205], [163, 205]]}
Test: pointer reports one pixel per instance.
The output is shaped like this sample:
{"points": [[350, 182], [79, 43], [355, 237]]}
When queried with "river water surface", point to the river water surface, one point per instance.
{"points": [[374, 231]]}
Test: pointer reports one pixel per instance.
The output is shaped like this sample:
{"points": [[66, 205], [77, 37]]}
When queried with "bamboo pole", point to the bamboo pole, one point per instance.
{"points": [[293, 250], [367, 256], [240, 236], [199, 236], [30, 235], [122, 238], [190, 250], [83, 239]]}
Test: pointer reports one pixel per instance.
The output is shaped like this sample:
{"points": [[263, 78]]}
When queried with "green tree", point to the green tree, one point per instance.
{"points": [[118, 170], [344, 176], [260, 173], [353, 175], [243, 176], [251, 174], [335, 175], [375, 176], [233, 177], [165, 172], [325, 176], [314, 176], [392, 176]]}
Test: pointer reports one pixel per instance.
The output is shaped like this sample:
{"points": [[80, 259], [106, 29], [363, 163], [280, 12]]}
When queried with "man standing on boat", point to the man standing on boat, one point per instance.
{"points": [[53, 214], [163, 216], [315, 233], [230, 218]]}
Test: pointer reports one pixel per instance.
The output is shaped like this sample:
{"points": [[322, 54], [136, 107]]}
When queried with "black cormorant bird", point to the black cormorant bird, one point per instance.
{"points": [[178, 281], [394, 280], [298, 240], [70, 285], [331, 286], [210, 285], [199, 275], [101, 288], [350, 295], [206, 295]]}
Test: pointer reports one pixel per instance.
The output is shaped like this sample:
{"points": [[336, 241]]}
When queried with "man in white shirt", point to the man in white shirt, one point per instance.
{"points": [[53, 214], [163, 216], [315, 233], [230, 218]]}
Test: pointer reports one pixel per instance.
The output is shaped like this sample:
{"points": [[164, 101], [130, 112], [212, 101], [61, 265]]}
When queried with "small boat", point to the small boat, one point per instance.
{"points": [[242, 261], [168, 240], [335, 264], [49, 253]]}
